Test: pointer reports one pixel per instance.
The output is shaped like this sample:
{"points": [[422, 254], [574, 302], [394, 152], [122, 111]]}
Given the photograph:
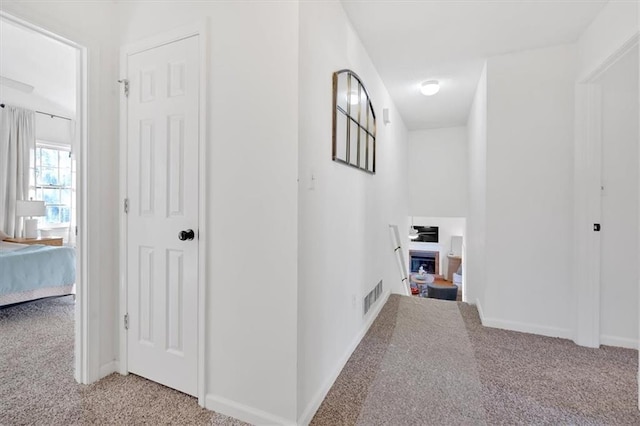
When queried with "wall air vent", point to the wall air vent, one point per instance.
{"points": [[372, 297]]}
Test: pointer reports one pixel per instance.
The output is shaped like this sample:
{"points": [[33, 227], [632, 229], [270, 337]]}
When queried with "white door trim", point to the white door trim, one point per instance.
{"points": [[86, 333], [199, 29], [587, 198]]}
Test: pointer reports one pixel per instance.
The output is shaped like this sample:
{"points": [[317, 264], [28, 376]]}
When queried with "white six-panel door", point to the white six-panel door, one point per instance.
{"points": [[162, 189]]}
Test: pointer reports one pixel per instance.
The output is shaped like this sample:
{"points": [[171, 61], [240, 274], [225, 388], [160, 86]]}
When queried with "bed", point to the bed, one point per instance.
{"points": [[29, 272]]}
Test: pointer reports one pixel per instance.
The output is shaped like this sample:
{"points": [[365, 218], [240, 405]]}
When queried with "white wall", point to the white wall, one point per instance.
{"points": [[32, 101], [614, 25], [474, 255], [529, 190], [344, 213], [619, 267], [253, 168], [438, 172], [54, 130], [447, 228], [91, 25]]}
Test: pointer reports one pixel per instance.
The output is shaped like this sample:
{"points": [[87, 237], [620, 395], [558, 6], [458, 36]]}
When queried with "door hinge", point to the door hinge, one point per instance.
{"points": [[126, 321], [76, 231], [126, 86], [126, 205]]}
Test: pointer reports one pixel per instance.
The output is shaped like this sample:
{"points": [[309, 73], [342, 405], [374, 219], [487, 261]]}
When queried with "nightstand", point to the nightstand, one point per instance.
{"points": [[54, 241]]}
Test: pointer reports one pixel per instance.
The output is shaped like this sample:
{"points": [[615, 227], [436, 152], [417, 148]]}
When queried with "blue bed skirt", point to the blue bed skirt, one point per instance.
{"points": [[36, 266]]}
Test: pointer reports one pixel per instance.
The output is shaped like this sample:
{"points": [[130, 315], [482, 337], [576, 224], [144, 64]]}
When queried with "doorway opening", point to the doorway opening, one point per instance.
{"points": [[619, 203], [436, 255], [43, 93], [606, 201]]}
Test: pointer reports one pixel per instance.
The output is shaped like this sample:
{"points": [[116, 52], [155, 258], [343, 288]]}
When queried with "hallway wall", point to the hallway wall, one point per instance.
{"points": [[529, 181], [438, 172], [344, 214]]}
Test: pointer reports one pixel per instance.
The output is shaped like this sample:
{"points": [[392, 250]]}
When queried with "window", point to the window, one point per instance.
{"points": [[354, 123], [52, 177]]}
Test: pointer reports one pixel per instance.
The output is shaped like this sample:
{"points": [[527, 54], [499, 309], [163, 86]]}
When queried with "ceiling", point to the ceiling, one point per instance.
{"points": [[411, 41], [44, 63]]}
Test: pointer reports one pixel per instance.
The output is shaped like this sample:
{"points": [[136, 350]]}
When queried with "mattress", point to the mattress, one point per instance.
{"points": [[30, 272]]}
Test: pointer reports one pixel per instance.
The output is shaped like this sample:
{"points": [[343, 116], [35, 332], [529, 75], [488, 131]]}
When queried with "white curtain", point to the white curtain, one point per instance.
{"points": [[17, 142]]}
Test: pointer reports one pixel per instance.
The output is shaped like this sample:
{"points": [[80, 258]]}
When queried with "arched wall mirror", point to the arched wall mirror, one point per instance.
{"points": [[354, 123]]}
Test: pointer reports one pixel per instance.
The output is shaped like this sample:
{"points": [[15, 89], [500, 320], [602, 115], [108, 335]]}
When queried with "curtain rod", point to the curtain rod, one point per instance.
{"points": [[47, 113]]}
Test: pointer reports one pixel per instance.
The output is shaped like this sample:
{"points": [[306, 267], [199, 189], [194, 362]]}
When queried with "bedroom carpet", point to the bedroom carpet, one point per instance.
{"points": [[408, 369]]}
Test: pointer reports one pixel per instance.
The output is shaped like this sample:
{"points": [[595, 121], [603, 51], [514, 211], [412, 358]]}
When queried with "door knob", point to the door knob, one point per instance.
{"points": [[186, 235]]}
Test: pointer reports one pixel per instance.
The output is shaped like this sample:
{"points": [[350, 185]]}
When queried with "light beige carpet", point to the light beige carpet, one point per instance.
{"points": [[422, 362], [431, 362], [37, 385], [432, 379]]}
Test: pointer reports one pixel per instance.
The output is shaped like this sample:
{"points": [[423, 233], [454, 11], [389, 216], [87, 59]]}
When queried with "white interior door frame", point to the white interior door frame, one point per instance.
{"points": [[587, 198], [86, 330], [197, 29]]}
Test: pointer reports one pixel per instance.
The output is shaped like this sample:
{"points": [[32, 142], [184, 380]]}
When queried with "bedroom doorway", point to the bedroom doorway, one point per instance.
{"points": [[45, 74]]}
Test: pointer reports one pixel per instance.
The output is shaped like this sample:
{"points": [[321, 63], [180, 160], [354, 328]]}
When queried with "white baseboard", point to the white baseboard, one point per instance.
{"points": [[243, 412], [320, 395], [623, 342], [108, 368], [524, 327]]}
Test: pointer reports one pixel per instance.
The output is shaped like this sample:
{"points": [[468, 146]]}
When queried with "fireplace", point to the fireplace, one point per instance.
{"points": [[429, 260]]}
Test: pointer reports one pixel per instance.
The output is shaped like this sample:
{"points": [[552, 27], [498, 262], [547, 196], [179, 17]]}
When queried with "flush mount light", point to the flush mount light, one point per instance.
{"points": [[430, 88]]}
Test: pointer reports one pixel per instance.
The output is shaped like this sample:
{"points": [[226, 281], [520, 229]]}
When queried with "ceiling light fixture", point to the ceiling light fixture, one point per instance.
{"points": [[430, 88]]}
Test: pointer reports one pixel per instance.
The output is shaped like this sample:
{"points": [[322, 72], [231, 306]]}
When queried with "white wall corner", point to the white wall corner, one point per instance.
{"points": [[480, 313], [243, 412], [316, 401], [638, 29], [108, 368]]}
